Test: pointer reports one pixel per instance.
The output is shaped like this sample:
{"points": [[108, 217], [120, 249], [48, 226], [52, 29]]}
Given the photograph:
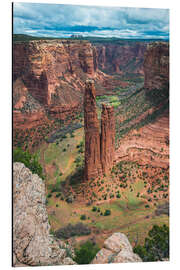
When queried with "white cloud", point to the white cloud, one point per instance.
{"points": [[113, 21]]}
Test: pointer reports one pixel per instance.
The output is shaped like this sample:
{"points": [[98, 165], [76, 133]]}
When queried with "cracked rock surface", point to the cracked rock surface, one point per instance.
{"points": [[32, 242], [117, 249]]}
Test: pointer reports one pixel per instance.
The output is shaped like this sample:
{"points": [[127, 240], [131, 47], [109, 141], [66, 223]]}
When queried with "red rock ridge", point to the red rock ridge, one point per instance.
{"points": [[99, 149]]}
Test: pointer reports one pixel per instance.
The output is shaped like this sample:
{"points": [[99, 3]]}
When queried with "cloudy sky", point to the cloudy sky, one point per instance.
{"points": [[52, 20]]}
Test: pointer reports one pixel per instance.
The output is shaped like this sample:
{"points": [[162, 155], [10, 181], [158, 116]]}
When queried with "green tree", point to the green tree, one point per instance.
{"points": [[86, 253], [107, 212], [156, 246], [29, 160]]}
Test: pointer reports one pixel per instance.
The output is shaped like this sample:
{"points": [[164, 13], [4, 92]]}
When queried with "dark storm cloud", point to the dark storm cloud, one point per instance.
{"points": [[65, 20]]}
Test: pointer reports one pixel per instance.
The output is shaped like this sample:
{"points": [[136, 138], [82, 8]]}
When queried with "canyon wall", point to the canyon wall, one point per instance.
{"points": [[52, 74], [150, 143], [99, 148], [48, 82], [32, 243], [120, 58], [49, 79], [52, 71], [156, 66]]}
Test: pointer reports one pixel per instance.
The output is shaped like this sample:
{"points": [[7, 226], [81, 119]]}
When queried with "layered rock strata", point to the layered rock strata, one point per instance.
{"points": [[117, 249], [150, 143], [156, 66], [32, 243], [99, 148], [122, 58]]}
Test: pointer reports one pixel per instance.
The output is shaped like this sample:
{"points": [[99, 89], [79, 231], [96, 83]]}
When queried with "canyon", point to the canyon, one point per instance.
{"points": [[96, 116], [49, 79]]}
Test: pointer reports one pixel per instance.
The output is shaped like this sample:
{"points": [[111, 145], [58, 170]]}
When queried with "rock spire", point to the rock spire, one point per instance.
{"points": [[99, 148]]}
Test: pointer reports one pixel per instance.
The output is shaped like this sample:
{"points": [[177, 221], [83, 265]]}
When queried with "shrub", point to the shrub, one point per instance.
{"points": [[156, 246], [107, 212], [73, 230], [29, 160], [118, 195], [86, 253], [94, 208], [83, 217], [138, 194], [70, 199]]}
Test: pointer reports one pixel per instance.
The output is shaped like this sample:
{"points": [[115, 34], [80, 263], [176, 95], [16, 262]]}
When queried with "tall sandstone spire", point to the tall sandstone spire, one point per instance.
{"points": [[93, 166], [107, 137], [99, 149]]}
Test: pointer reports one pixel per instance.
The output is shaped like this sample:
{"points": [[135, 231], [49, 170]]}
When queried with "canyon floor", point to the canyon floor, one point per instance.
{"points": [[136, 191]]}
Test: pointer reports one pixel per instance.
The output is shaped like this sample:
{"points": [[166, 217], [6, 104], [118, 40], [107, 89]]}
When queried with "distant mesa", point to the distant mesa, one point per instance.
{"points": [[76, 36]]}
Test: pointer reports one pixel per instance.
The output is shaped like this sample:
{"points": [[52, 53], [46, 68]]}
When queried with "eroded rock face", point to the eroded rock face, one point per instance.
{"points": [[122, 58], [93, 167], [32, 242], [49, 79], [156, 66], [117, 249], [107, 137], [48, 68], [99, 148]]}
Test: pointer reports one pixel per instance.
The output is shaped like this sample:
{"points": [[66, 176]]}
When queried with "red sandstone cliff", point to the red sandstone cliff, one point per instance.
{"points": [[156, 66], [121, 58], [99, 149], [53, 73]]}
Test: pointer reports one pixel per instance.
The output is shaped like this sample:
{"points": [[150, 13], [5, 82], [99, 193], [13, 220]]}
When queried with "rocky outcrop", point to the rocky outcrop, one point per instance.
{"points": [[99, 149], [32, 242], [107, 137], [117, 249], [122, 58], [156, 66], [93, 167]]}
